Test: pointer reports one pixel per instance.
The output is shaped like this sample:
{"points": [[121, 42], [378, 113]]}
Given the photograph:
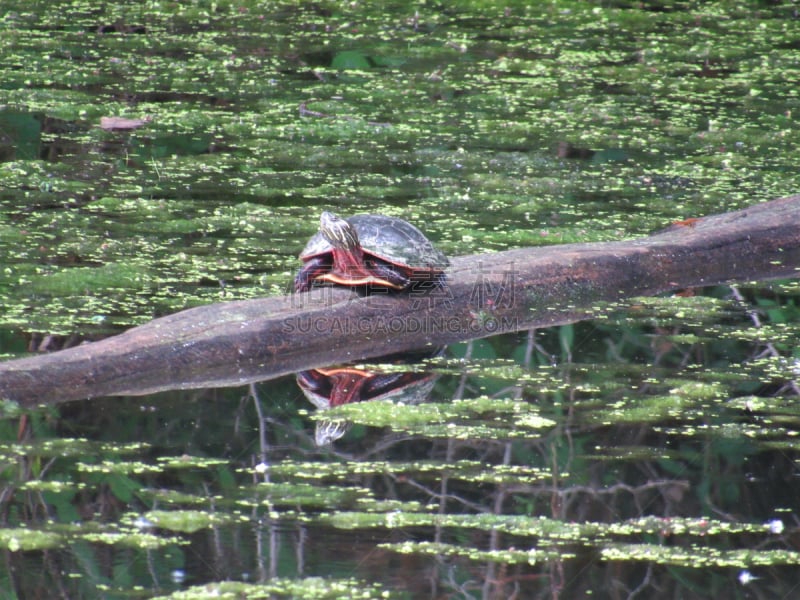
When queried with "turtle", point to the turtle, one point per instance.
{"points": [[369, 250]]}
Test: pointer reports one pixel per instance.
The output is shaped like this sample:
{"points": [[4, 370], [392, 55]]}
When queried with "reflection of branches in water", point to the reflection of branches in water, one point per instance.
{"points": [[496, 582], [671, 490], [491, 580], [263, 444], [769, 347], [612, 490], [442, 496], [643, 585], [268, 527], [626, 495]]}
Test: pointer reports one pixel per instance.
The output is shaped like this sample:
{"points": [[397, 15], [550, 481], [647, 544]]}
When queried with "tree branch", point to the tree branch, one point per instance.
{"points": [[237, 343]]}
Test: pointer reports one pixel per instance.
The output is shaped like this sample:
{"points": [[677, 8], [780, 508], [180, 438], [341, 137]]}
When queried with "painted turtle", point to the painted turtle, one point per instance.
{"points": [[369, 250]]}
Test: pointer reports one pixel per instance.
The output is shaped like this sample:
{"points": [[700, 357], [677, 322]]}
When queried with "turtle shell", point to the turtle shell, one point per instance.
{"points": [[390, 239]]}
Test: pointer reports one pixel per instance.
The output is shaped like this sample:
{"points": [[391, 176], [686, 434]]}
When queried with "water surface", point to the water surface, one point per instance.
{"points": [[650, 451]]}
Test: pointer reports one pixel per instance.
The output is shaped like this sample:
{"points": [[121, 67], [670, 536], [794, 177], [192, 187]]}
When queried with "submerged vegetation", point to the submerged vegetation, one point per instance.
{"points": [[159, 155]]}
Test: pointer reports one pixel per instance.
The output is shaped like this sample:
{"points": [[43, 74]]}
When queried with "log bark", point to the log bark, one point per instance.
{"points": [[241, 342]]}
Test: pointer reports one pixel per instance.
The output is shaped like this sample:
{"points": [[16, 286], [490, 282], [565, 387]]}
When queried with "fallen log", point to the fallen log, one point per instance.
{"points": [[241, 342]]}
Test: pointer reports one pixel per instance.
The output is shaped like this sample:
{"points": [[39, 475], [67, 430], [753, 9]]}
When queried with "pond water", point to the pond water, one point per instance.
{"points": [[156, 156]]}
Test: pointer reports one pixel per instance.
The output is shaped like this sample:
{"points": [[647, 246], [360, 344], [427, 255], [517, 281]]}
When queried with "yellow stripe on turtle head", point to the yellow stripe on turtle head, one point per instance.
{"points": [[338, 232]]}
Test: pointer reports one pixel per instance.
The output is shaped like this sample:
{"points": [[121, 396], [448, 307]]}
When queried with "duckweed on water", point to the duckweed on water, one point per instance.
{"points": [[279, 115], [551, 532], [648, 409], [308, 588], [172, 497], [491, 129], [189, 462], [64, 447], [498, 368], [109, 467], [185, 521], [783, 334], [24, 539], [764, 404], [552, 529], [735, 431], [698, 556], [502, 414], [103, 279], [506, 556], [164, 462], [387, 505], [669, 311], [474, 432], [52, 486], [466, 470], [687, 400], [309, 495], [141, 540]]}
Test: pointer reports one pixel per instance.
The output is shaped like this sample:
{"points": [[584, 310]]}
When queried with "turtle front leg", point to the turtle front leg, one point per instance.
{"points": [[310, 271]]}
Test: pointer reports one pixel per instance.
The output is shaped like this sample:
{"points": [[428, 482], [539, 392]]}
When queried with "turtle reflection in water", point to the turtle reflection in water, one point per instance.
{"points": [[334, 386], [369, 251]]}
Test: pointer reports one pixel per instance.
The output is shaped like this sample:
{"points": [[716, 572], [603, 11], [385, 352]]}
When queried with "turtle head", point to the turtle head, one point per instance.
{"points": [[338, 232], [327, 432]]}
